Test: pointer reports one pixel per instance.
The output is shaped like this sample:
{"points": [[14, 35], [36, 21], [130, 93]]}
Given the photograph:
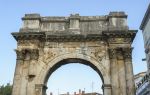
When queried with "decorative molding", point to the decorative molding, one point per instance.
{"points": [[110, 36], [27, 54], [119, 53], [127, 53], [48, 55], [119, 40], [34, 54], [106, 86], [112, 53], [100, 54], [20, 54]]}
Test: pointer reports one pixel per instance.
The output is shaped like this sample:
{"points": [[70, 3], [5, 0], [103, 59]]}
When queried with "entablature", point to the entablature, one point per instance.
{"points": [[111, 37]]}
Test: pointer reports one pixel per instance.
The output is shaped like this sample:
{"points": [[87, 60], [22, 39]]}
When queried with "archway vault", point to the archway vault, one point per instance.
{"points": [[58, 61], [69, 58], [46, 43]]}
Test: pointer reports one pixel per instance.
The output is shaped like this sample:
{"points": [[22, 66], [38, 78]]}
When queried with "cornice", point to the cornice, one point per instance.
{"points": [[120, 34], [72, 37]]}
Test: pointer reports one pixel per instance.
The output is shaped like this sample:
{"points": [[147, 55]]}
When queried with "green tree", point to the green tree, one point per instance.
{"points": [[6, 90]]}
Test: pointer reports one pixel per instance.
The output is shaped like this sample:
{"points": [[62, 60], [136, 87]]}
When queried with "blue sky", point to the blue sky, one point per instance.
{"points": [[11, 12]]}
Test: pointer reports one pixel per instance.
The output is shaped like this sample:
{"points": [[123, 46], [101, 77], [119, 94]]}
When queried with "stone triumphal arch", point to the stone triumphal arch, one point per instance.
{"points": [[46, 43]]}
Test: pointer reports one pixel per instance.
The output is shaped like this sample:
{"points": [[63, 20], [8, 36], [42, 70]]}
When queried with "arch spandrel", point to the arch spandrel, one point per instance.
{"points": [[80, 58]]}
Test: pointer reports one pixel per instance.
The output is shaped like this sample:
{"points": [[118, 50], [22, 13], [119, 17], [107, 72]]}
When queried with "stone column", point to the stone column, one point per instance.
{"points": [[121, 72], [107, 89], [114, 71], [17, 78], [34, 54], [129, 71], [19, 83]]}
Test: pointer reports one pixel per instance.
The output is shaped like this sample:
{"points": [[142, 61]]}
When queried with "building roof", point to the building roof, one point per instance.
{"points": [[146, 18]]}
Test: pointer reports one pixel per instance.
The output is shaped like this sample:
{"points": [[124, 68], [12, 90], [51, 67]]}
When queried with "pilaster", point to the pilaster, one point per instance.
{"points": [[121, 71], [129, 71], [114, 71]]}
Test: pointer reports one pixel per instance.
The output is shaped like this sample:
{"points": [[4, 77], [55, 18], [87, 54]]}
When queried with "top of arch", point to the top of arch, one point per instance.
{"points": [[75, 26]]}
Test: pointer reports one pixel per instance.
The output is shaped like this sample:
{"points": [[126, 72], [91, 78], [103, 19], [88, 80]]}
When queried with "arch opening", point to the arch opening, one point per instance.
{"points": [[73, 61]]}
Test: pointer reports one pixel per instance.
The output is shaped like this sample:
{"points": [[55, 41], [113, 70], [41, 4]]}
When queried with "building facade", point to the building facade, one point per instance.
{"points": [[142, 84], [145, 27], [143, 87]]}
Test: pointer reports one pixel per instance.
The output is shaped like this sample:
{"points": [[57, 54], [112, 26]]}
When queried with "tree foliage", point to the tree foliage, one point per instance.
{"points": [[6, 90]]}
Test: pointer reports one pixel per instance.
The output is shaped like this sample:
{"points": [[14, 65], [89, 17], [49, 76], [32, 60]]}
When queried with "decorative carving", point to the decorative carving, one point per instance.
{"points": [[119, 40], [119, 53], [127, 53], [112, 53], [26, 42], [27, 54], [48, 55], [20, 55], [100, 54], [34, 54]]}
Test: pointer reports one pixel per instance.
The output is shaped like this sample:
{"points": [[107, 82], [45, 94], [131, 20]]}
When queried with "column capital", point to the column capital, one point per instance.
{"points": [[112, 53], [127, 53], [115, 53], [27, 54]]}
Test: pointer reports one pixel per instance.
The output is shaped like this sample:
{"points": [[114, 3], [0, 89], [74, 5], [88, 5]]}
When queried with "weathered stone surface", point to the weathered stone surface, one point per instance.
{"points": [[46, 43]]}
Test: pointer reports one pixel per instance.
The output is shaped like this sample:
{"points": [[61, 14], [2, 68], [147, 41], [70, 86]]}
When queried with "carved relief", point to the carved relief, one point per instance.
{"points": [[27, 54], [34, 54], [99, 54], [119, 40], [28, 44], [127, 53], [112, 53], [48, 55], [20, 55], [119, 53]]}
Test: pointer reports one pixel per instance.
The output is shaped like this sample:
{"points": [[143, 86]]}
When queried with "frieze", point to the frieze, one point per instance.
{"points": [[27, 42], [119, 40]]}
